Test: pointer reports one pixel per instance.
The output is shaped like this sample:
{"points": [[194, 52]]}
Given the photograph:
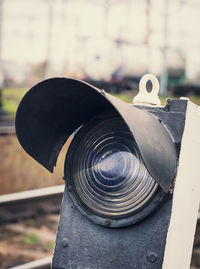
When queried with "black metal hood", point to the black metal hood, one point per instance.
{"points": [[53, 109]]}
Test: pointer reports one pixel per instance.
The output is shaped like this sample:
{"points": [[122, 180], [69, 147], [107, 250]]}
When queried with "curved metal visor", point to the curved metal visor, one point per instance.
{"points": [[53, 109]]}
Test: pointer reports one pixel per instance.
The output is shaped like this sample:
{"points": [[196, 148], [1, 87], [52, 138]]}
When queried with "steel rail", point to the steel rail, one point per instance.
{"points": [[31, 195], [7, 130], [36, 195], [30, 203], [7, 125], [44, 263]]}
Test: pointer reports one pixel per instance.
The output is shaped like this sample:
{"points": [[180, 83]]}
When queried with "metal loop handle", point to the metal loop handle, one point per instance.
{"points": [[144, 97]]}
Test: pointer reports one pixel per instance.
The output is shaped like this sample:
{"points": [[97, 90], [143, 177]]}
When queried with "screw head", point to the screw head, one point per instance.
{"points": [[108, 222], [65, 242], [152, 257], [69, 188], [156, 200], [171, 190]]}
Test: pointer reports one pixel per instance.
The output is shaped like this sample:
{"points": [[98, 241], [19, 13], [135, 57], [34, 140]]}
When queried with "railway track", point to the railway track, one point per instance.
{"points": [[31, 203], [43, 200], [31, 237], [7, 125], [34, 203], [44, 263], [25, 204], [7, 130]]}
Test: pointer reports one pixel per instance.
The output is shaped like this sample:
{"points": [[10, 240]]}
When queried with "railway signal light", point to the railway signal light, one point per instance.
{"points": [[120, 170]]}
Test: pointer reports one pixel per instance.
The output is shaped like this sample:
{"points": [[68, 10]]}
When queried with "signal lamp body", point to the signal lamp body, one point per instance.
{"points": [[119, 171]]}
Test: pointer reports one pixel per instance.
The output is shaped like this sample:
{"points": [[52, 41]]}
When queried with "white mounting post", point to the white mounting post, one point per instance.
{"points": [[186, 197]]}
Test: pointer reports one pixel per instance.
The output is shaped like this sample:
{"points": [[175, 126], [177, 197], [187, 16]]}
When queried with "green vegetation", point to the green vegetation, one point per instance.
{"points": [[49, 245], [12, 96], [31, 222], [195, 99], [124, 97], [3, 235], [31, 239], [129, 99]]}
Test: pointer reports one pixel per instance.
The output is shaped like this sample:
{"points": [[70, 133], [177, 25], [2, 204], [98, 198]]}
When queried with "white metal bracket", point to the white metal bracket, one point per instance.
{"points": [[148, 98]]}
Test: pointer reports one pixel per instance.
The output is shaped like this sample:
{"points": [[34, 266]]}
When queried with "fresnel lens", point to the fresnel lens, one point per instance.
{"points": [[107, 174]]}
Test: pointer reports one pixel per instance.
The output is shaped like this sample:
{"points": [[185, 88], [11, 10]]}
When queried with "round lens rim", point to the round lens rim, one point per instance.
{"points": [[131, 219]]}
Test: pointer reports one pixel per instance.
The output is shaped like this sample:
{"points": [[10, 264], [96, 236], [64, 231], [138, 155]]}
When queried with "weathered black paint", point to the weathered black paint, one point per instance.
{"points": [[47, 115], [140, 246], [91, 246]]}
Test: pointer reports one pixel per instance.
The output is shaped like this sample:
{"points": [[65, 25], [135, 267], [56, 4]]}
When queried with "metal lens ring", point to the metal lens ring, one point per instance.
{"points": [[106, 172]]}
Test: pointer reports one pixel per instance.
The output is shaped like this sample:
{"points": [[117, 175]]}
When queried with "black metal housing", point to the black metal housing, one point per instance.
{"points": [[83, 244], [53, 109]]}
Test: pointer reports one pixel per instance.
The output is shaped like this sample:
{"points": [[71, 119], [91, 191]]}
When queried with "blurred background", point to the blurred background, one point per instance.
{"points": [[109, 43]]}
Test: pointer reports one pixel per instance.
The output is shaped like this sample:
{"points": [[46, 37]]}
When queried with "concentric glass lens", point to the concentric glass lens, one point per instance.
{"points": [[108, 174]]}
